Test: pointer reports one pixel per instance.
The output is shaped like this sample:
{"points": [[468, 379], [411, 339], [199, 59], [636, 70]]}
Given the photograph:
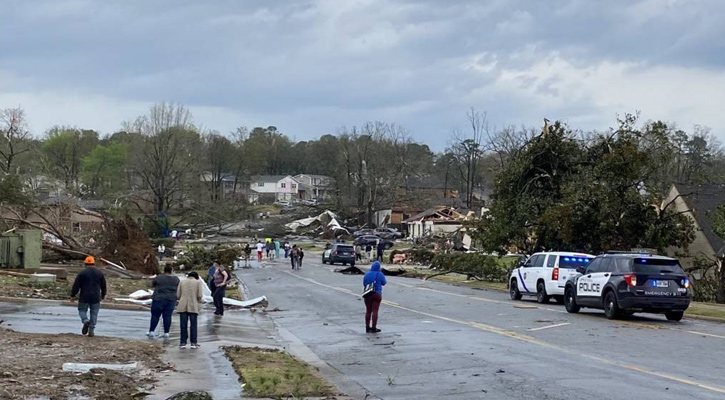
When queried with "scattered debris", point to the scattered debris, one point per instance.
{"points": [[28, 358], [352, 270], [395, 272], [81, 367], [143, 297]]}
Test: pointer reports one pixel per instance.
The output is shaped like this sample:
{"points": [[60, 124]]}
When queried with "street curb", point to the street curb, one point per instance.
{"points": [[705, 318], [66, 303]]}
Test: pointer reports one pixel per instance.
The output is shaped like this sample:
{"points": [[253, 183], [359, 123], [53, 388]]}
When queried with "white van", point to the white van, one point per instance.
{"points": [[544, 275]]}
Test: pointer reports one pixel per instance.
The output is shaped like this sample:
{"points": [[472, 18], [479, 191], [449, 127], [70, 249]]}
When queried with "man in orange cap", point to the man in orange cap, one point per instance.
{"points": [[91, 283]]}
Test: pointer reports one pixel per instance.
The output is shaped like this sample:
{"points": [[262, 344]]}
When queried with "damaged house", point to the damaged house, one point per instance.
{"points": [[433, 221]]}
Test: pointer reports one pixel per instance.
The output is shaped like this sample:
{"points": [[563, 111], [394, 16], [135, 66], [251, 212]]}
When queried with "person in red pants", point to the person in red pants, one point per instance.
{"points": [[373, 300]]}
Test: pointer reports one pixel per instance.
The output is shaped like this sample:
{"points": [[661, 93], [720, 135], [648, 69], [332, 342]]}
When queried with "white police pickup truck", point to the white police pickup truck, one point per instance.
{"points": [[544, 275]]}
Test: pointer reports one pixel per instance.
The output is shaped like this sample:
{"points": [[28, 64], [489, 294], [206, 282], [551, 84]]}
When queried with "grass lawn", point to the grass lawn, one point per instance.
{"points": [[706, 310], [275, 374]]}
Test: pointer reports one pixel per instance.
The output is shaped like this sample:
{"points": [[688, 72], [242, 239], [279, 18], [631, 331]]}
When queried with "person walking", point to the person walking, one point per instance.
{"points": [[90, 287], [373, 299], [286, 249], [358, 253], [381, 249], [369, 252], [300, 256], [269, 246], [221, 277], [189, 295], [161, 250], [276, 248], [260, 250], [293, 256], [163, 300]]}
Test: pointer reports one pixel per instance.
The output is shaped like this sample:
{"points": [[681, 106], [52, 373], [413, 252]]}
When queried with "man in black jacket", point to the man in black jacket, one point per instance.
{"points": [[91, 283]]}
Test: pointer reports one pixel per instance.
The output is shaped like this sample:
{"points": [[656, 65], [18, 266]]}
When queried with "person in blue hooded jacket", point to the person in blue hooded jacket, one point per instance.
{"points": [[373, 300]]}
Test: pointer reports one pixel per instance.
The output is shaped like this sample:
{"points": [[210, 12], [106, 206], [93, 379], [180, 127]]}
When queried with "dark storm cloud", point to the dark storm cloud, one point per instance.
{"points": [[421, 63]]}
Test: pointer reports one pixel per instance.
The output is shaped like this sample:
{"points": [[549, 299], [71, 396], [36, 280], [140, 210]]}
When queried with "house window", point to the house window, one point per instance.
{"points": [[283, 185], [294, 186], [260, 184]]}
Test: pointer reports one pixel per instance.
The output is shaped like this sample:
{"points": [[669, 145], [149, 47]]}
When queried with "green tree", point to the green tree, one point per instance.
{"points": [[103, 171], [63, 150], [562, 192]]}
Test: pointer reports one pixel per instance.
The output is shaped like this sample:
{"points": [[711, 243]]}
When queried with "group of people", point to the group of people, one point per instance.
{"points": [[367, 252], [90, 289], [270, 249]]}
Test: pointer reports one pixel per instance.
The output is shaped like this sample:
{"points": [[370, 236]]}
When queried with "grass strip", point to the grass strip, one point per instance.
{"points": [[276, 374]]}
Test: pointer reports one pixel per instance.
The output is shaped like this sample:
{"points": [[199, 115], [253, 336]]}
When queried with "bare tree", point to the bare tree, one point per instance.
{"points": [[468, 150], [13, 137], [165, 159]]}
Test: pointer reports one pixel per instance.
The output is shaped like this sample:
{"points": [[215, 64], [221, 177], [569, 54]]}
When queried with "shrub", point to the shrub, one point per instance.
{"points": [[474, 266]]}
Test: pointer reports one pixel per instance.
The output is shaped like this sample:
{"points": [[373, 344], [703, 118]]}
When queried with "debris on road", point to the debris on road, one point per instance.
{"points": [[143, 297], [393, 272], [353, 270]]}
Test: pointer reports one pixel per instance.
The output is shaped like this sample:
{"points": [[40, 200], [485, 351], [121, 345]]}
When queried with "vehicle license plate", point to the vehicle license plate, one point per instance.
{"points": [[663, 283]]}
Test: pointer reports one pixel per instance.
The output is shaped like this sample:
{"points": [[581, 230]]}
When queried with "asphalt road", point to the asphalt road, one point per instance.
{"points": [[441, 341]]}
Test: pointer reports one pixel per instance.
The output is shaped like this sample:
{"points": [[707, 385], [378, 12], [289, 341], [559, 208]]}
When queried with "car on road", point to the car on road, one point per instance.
{"points": [[373, 241], [364, 232], [544, 275], [388, 233], [622, 284], [339, 253]]}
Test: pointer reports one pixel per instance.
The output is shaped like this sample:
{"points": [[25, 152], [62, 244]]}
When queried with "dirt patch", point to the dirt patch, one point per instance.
{"points": [[31, 366], [276, 374], [13, 286]]}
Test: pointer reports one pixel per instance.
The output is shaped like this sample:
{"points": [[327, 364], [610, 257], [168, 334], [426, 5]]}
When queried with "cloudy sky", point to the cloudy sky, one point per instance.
{"points": [[310, 67]]}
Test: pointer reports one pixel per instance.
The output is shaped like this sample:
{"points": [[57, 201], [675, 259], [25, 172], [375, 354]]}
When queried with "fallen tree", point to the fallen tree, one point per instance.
{"points": [[120, 240]]}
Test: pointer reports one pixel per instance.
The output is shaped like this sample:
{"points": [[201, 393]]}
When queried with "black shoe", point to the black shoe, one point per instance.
{"points": [[86, 325], [375, 330], [368, 330], [91, 333]]}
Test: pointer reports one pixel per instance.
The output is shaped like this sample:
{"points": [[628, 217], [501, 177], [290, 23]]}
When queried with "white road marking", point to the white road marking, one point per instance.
{"points": [[549, 326], [706, 334]]}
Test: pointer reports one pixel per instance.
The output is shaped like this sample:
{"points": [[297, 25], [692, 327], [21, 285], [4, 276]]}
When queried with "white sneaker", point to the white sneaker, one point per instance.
{"points": [[166, 335], [183, 346], [151, 335], [193, 346]]}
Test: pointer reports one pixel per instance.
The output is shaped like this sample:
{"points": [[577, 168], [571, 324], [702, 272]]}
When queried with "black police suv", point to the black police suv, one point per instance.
{"points": [[623, 284]]}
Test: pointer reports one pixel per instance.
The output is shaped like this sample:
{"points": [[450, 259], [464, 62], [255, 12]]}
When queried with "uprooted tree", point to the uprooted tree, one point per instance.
{"points": [[120, 241]]}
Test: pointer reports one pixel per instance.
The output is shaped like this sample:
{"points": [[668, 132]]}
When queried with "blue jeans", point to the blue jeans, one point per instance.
{"points": [[186, 319], [83, 313], [161, 308]]}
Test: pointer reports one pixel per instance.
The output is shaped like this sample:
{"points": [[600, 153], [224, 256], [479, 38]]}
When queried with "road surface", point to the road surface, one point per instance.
{"points": [[440, 341]]}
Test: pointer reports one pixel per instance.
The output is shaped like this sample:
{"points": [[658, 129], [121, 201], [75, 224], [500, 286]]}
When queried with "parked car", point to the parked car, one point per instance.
{"points": [[544, 275], [364, 232], [339, 253], [373, 240], [622, 284], [388, 233]]}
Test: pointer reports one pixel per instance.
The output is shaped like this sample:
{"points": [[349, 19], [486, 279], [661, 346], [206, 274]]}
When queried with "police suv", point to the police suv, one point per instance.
{"points": [[624, 283], [544, 275]]}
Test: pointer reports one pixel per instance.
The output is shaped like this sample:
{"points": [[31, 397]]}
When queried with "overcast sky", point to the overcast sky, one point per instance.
{"points": [[310, 67]]}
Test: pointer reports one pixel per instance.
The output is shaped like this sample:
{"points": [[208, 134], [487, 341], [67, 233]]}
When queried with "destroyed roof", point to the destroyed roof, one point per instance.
{"points": [[703, 201], [439, 214]]}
